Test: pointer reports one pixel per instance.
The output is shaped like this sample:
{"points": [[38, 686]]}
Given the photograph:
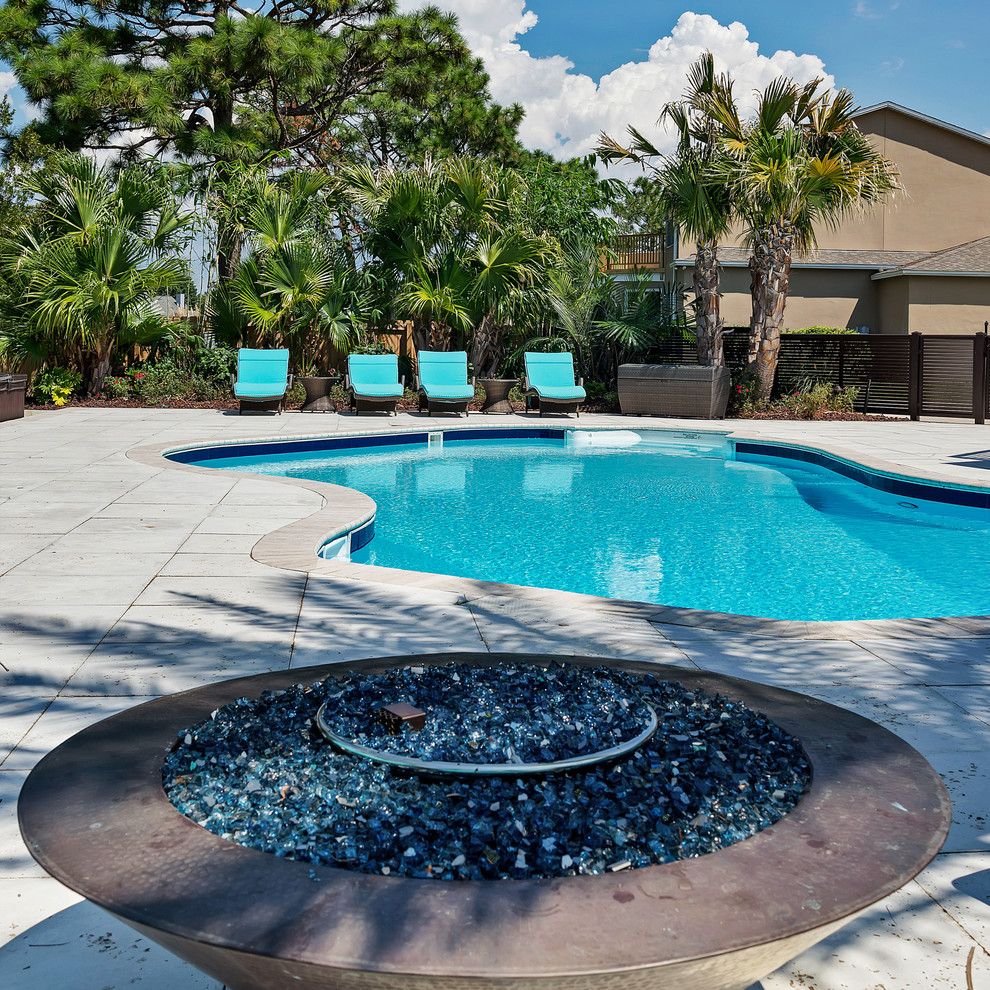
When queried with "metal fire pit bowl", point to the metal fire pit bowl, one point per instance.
{"points": [[93, 813]]}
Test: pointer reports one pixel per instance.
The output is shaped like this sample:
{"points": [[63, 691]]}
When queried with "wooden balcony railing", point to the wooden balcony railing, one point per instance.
{"points": [[635, 252]]}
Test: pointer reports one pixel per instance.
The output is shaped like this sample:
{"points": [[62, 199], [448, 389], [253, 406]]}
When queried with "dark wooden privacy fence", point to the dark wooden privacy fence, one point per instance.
{"points": [[912, 374]]}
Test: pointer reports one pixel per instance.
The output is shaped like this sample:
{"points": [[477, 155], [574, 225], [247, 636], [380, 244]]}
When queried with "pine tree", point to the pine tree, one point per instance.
{"points": [[316, 80]]}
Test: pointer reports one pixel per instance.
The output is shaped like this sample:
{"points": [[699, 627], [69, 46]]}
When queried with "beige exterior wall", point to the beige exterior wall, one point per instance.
{"points": [[942, 304], [946, 195], [819, 297], [893, 305], [945, 202]]}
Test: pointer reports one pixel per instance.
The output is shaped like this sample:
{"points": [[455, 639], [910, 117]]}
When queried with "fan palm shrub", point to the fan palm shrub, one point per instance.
{"points": [[465, 267], [297, 287], [98, 250]]}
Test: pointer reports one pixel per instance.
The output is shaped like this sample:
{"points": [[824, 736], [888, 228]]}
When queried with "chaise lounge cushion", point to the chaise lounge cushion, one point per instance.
{"points": [[551, 376], [443, 376], [378, 390], [262, 375], [374, 376], [561, 393], [449, 391], [259, 390]]}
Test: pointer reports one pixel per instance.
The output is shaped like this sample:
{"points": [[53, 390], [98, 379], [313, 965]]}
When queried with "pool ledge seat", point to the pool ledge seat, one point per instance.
{"points": [[442, 381], [374, 383], [262, 379], [550, 383]]}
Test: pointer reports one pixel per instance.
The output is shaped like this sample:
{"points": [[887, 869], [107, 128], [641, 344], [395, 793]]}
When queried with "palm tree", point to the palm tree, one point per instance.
{"points": [[798, 165], [91, 261], [297, 288], [691, 191], [463, 263]]}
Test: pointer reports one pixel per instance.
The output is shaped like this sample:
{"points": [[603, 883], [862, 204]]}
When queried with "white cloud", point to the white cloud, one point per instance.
{"points": [[566, 110], [868, 12], [7, 82]]}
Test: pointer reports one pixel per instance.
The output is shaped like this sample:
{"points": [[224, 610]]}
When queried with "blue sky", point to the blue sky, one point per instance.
{"points": [[932, 57]]}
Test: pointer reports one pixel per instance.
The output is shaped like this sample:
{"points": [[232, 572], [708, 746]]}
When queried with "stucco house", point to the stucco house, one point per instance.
{"points": [[920, 262]]}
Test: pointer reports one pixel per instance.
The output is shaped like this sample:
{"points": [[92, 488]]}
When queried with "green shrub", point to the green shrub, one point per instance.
{"points": [[215, 365], [295, 396], [845, 330], [162, 380], [743, 394], [116, 387], [816, 398], [55, 386], [166, 380]]}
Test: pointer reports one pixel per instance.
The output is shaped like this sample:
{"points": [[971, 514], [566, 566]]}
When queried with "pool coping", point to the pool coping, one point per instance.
{"points": [[295, 546]]}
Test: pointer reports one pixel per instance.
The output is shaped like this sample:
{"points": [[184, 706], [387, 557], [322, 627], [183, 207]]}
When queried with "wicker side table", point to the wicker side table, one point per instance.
{"points": [[318, 393], [497, 394]]}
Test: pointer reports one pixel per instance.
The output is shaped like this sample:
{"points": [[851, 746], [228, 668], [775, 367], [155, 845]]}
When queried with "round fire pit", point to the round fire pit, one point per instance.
{"points": [[94, 813]]}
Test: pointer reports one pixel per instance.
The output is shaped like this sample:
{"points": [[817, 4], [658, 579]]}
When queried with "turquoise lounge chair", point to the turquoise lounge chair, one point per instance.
{"points": [[550, 383], [374, 382], [442, 381], [262, 379]]}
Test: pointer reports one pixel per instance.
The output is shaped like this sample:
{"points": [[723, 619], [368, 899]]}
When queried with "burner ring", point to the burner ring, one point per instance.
{"points": [[446, 768]]}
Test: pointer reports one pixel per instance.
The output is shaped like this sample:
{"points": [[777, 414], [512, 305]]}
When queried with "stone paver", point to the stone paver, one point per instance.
{"points": [[121, 581]]}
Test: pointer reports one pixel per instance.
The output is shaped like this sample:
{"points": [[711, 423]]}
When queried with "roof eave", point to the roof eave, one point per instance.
{"points": [[897, 272], [926, 118], [689, 263]]}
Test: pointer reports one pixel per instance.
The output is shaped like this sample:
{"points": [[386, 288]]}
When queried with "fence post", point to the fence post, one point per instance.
{"points": [[842, 362], [915, 365], [980, 377]]}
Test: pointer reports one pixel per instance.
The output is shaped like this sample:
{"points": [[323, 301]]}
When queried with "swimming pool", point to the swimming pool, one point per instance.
{"points": [[693, 521]]}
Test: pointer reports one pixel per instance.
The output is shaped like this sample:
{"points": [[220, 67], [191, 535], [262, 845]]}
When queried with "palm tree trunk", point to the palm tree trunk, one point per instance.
{"points": [[483, 354], [707, 298], [97, 368], [770, 270], [420, 332]]}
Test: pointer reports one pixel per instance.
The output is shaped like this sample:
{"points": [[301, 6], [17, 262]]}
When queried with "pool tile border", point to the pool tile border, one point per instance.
{"points": [[295, 546]]}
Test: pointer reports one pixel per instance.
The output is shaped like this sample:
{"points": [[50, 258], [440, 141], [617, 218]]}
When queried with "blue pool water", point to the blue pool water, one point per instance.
{"points": [[667, 521]]}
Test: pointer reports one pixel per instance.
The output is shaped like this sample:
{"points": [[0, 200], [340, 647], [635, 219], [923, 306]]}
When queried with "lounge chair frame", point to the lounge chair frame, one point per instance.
{"points": [[545, 404], [553, 406], [262, 403], [373, 403], [440, 405], [460, 406]]}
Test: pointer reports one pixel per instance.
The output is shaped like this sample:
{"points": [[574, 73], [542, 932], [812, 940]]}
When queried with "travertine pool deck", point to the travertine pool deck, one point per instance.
{"points": [[122, 579]]}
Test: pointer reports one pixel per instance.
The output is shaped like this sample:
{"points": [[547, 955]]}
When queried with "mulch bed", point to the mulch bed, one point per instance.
{"points": [[136, 404], [412, 406], [825, 417]]}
